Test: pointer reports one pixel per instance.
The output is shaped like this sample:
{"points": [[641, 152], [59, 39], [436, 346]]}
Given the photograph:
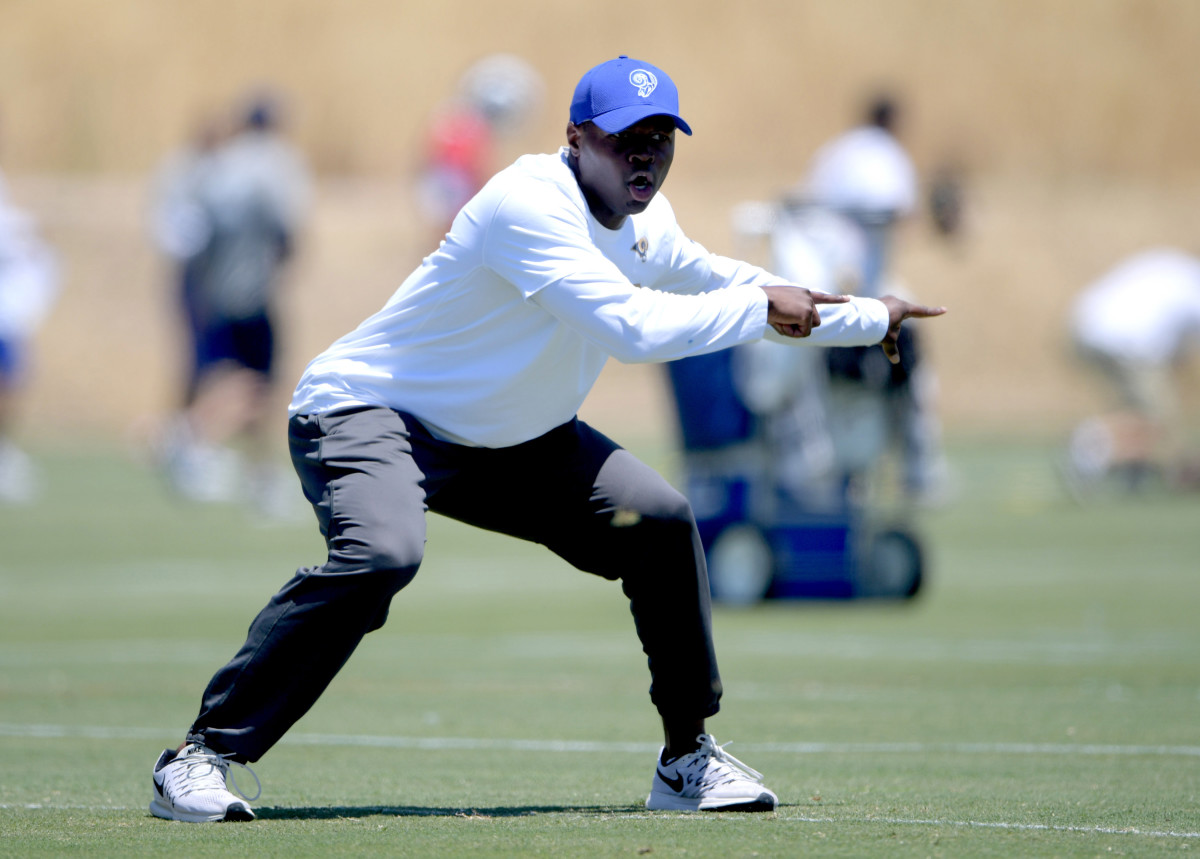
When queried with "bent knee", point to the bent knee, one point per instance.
{"points": [[390, 564], [667, 506], [396, 567], [636, 493]]}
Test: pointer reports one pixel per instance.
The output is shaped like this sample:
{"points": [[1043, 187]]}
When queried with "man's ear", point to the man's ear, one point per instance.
{"points": [[573, 135]]}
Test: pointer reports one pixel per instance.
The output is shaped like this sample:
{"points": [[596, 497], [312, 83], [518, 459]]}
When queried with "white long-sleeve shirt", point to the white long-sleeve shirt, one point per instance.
{"points": [[499, 335]]}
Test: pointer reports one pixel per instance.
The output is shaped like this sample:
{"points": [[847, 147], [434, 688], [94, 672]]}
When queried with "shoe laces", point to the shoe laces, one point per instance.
{"points": [[203, 769], [718, 766]]}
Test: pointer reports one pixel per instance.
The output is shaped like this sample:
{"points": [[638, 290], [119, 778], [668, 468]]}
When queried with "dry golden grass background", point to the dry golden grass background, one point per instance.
{"points": [[1077, 122]]}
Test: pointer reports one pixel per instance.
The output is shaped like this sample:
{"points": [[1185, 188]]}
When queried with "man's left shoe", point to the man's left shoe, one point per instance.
{"points": [[708, 779], [189, 785]]}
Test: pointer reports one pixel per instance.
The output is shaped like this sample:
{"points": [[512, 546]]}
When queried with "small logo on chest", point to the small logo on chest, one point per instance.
{"points": [[640, 247]]}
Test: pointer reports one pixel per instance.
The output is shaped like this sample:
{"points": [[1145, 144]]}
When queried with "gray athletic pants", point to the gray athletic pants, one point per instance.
{"points": [[371, 474]]}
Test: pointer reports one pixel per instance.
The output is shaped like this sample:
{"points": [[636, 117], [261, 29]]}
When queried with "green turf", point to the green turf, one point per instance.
{"points": [[1041, 697]]}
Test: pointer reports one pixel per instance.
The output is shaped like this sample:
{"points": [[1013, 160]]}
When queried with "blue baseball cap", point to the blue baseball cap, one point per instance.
{"points": [[621, 92]]}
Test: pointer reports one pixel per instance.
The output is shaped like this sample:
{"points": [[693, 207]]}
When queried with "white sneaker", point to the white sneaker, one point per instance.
{"points": [[198, 470], [708, 779], [189, 785]]}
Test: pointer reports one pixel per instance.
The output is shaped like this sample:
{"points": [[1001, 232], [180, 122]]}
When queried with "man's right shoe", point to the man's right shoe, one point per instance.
{"points": [[189, 785], [708, 779]]}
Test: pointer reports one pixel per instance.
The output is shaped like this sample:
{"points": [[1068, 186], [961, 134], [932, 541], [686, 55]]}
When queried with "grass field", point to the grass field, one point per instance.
{"points": [[1041, 697]]}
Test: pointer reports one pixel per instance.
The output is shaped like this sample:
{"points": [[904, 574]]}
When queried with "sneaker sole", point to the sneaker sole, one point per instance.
{"points": [[237, 812], [671, 802]]}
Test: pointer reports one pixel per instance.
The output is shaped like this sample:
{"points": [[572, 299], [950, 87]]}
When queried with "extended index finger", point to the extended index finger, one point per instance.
{"points": [[827, 298], [922, 312]]}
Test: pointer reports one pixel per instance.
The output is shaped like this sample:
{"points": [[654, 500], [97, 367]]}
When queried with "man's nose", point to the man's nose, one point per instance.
{"points": [[641, 152]]}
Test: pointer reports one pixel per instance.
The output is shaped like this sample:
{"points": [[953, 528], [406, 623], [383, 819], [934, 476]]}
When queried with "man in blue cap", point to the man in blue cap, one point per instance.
{"points": [[460, 396]]}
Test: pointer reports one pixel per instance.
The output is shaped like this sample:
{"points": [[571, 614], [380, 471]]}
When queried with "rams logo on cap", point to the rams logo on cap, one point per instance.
{"points": [[644, 81]]}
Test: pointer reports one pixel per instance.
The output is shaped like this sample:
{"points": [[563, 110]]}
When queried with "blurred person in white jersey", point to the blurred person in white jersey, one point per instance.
{"points": [[29, 283], [865, 175], [1137, 325]]}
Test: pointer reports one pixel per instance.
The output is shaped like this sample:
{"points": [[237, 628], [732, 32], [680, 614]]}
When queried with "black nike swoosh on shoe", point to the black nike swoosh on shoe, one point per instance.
{"points": [[676, 784], [238, 812]]}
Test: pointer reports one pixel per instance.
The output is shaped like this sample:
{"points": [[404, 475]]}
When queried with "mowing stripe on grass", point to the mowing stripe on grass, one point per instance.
{"points": [[1083, 649], [723, 818], [964, 824], [1020, 827], [96, 732]]}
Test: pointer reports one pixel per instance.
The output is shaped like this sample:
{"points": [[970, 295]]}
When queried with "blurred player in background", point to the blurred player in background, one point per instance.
{"points": [[801, 440], [947, 198], [181, 229], [1137, 325], [460, 396], [866, 176], [495, 98], [235, 220], [28, 288]]}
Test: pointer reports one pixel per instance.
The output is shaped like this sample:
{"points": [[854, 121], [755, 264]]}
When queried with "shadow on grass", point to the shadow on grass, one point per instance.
{"points": [[338, 812]]}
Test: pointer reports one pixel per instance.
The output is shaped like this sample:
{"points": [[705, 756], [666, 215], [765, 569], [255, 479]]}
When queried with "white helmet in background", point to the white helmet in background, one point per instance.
{"points": [[504, 88]]}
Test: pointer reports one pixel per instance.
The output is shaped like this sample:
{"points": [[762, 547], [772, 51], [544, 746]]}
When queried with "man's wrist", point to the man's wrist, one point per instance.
{"points": [[878, 312]]}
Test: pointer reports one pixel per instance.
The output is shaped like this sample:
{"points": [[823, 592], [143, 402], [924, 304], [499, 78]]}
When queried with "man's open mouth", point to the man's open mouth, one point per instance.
{"points": [[642, 186]]}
